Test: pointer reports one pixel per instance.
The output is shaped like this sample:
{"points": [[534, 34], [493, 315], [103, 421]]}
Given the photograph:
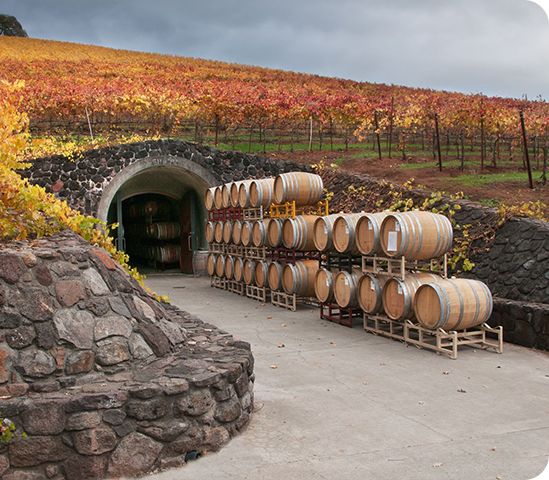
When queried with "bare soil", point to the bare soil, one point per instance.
{"points": [[509, 192]]}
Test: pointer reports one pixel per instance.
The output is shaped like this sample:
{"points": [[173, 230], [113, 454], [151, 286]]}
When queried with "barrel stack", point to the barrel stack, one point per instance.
{"points": [[275, 238], [261, 232]]}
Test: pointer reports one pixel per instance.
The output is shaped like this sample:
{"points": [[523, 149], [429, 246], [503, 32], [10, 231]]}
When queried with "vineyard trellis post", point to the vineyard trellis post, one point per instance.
{"points": [[438, 143], [377, 134], [525, 146]]}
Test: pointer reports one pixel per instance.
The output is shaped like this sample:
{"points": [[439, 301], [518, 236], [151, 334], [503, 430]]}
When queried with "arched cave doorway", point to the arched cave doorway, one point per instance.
{"points": [[161, 213]]}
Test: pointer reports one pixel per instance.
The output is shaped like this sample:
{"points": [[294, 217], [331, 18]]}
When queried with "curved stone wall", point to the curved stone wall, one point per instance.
{"points": [[105, 380]]}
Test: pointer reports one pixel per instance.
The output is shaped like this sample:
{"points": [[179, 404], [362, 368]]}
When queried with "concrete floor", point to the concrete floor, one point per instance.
{"points": [[339, 403]]}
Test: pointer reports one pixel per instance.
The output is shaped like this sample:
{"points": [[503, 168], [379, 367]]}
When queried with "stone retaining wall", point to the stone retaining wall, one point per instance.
{"points": [[105, 380], [81, 182]]}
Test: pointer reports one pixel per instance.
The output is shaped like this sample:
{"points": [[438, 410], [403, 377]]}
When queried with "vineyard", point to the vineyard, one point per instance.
{"points": [[78, 97]]}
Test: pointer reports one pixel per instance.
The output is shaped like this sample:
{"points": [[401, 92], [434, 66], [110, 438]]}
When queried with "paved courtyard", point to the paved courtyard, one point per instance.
{"points": [[338, 403]]}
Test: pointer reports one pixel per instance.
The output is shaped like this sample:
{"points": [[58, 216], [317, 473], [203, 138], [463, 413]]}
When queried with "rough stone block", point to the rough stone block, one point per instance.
{"points": [[75, 327], [85, 467], [96, 441], [147, 410], [34, 450], [69, 292], [135, 455], [44, 418], [81, 361], [195, 403], [113, 353], [36, 363], [83, 421], [228, 411]]}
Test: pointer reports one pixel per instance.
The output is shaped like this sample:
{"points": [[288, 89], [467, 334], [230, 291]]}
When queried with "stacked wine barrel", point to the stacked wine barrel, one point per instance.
{"points": [[368, 241], [243, 237], [420, 296], [151, 235]]}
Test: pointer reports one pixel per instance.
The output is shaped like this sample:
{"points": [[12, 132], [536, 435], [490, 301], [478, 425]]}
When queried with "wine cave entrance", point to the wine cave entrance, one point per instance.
{"points": [[161, 220]]}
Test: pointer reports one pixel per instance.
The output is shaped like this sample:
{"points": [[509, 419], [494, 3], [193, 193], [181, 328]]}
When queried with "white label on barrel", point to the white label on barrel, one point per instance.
{"points": [[397, 227], [392, 242], [327, 282], [373, 287], [325, 229], [399, 290], [346, 281], [370, 226], [346, 230]]}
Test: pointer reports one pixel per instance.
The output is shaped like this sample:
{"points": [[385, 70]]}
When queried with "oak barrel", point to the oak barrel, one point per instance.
{"points": [[322, 232], [324, 285], [370, 293], [234, 186], [210, 264], [274, 275], [209, 198], [220, 266], [209, 232], [345, 288], [259, 233], [200, 258], [298, 233], [226, 195], [299, 278], [165, 230], [238, 269], [248, 272], [244, 195], [237, 228], [453, 304], [416, 235], [229, 267], [262, 273], [228, 231], [261, 192], [368, 233], [274, 232], [218, 197], [398, 294], [218, 232], [344, 236], [303, 188], [246, 233]]}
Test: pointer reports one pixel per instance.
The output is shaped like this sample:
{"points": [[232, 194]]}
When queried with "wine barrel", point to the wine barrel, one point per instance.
{"points": [[274, 232], [155, 208], [303, 188], [261, 273], [298, 233], [210, 264], [228, 231], [237, 229], [398, 294], [246, 233], [165, 230], [261, 192], [220, 266], [209, 198], [229, 267], [200, 258], [226, 195], [234, 186], [344, 233], [244, 195], [238, 269], [218, 197], [368, 233], [209, 232], [167, 253], [274, 276], [299, 278], [370, 293], [218, 232], [345, 289], [322, 232], [453, 304], [324, 285], [259, 233], [416, 235], [248, 272]]}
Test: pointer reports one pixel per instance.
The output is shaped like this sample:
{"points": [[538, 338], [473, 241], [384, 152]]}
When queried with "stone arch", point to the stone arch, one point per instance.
{"points": [[180, 167]]}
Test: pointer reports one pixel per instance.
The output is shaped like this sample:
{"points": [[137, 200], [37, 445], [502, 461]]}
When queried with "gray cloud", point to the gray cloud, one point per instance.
{"points": [[498, 47]]}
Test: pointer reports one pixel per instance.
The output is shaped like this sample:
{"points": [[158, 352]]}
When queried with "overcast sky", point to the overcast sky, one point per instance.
{"points": [[495, 47]]}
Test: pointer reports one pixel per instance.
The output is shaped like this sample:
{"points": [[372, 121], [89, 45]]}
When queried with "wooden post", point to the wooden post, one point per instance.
{"points": [[391, 125], [311, 136], [438, 143], [525, 146], [377, 134]]}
